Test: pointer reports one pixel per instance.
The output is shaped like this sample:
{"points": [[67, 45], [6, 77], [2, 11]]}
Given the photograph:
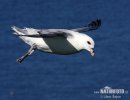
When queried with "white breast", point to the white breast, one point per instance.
{"points": [[58, 45]]}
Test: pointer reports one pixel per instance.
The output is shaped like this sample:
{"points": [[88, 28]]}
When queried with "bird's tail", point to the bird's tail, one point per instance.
{"points": [[18, 31]]}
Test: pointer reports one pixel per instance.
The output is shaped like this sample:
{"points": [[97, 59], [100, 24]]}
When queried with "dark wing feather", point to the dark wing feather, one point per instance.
{"points": [[91, 26], [48, 34]]}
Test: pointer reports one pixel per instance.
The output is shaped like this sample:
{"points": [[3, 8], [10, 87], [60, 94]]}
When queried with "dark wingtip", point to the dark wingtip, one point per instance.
{"points": [[98, 22], [95, 24]]}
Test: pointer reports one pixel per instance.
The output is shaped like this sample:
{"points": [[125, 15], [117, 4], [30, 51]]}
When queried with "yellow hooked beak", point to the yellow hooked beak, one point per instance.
{"points": [[92, 52]]}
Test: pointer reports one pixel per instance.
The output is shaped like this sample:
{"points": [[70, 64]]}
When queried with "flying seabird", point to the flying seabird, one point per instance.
{"points": [[57, 41]]}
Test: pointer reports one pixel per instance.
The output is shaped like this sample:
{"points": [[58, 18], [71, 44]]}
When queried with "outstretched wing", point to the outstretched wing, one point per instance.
{"points": [[91, 26], [47, 33]]}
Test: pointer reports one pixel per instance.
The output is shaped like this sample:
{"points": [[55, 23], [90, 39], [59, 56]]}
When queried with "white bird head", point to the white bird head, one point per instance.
{"points": [[89, 44]]}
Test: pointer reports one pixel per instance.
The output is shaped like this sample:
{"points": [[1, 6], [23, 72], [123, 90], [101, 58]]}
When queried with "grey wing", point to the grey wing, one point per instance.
{"points": [[91, 26], [46, 33]]}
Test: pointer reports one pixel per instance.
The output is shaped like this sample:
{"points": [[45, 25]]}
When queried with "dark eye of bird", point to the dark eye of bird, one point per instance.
{"points": [[88, 42]]}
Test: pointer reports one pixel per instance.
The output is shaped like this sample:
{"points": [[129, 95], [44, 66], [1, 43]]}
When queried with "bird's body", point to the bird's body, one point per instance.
{"points": [[56, 41], [56, 45]]}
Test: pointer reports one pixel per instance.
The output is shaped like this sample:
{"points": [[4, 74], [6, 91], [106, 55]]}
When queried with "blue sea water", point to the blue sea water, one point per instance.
{"points": [[45, 76]]}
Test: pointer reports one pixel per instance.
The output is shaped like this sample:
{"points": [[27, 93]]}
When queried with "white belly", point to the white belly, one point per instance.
{"points": [[57, 45]]}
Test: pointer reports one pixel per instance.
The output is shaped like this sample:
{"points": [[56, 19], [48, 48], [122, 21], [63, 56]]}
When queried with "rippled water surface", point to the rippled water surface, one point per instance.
{"points": [[45, 76]]}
